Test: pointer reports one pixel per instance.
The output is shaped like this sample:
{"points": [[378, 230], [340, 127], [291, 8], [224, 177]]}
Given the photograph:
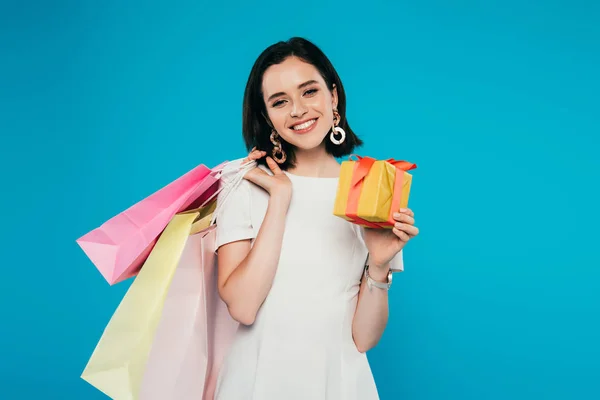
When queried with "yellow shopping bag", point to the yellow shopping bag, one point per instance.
{"points": [[118, 362]]}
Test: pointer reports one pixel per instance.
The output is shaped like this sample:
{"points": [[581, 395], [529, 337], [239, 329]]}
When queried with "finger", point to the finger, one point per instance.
{"points": [[256, 154], [254, 172], [401, 235], [273, 166], [407, 219], [258, 177], [247, 158], [410, 230], [407, 211]]}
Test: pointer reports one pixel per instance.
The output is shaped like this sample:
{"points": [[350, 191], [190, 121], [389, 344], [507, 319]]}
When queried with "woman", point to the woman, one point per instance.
{"points": [[290, 272]]}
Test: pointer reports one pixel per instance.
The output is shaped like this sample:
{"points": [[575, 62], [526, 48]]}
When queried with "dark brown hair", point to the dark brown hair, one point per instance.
{"points": [[256, 129]]}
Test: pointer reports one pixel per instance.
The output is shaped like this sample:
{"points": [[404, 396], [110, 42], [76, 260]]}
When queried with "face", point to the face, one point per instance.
{"points": [[298, 102]]}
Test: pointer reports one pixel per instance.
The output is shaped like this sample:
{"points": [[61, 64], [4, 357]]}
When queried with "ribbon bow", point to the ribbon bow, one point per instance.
{"points": [[361, 169]]}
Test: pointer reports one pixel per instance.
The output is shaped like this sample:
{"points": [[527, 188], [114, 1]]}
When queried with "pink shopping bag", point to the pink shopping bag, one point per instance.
{"points": [[195, 330], [119, 247], [170, 334]]}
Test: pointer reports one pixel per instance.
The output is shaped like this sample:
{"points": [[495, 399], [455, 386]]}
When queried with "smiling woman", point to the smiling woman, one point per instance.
{"points": [[293, 89], [291, 272]]}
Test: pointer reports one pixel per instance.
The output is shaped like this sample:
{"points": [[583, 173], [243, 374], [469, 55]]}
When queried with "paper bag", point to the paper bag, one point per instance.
{"points": [[119, 247], [169, 336], [117, 364], [195, 330]]}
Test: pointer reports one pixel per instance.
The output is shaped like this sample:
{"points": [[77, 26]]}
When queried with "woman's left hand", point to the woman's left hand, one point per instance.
{"points": [[384, 244]]}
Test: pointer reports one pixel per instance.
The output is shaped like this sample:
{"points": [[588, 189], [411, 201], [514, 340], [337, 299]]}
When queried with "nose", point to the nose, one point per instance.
{"points": [[298, 109]]}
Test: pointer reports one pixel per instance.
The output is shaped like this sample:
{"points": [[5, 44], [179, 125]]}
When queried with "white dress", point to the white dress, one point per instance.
{"points": [[300, 346]]}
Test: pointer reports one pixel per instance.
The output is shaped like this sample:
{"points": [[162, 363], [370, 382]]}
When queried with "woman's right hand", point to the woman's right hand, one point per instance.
{"points": [[246, 268], [277, 185]]}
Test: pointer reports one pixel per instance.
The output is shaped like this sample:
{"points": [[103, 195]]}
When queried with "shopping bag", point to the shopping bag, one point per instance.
{"points": [[119, 247], [168, 337], [195, 329], [117, 364]]}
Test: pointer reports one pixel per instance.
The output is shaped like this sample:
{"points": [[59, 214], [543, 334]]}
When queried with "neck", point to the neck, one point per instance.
{"points": [[315, 163]]}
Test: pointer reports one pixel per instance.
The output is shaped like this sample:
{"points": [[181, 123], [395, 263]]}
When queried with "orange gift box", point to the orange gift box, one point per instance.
{"points": [[370, 191]]}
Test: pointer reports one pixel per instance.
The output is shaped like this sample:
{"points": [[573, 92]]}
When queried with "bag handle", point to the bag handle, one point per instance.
{"points": [[231, 185], [228, 187]]}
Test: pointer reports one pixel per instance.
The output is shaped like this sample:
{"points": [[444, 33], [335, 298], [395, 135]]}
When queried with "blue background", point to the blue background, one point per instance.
{"points": [[497, 102]]}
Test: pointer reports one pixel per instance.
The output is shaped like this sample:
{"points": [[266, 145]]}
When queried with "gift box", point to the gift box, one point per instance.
{"points": [[370, 191]]}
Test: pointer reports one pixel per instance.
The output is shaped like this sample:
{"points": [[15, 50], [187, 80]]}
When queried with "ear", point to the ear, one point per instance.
{"points": [[334, 97]]}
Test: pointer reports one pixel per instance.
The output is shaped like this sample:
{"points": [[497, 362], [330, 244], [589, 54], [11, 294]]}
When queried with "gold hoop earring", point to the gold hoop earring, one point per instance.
{"points": [[277, 153]]}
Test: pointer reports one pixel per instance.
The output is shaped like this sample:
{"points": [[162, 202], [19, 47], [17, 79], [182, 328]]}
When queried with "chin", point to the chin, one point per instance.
{"points": [[308, 142]]}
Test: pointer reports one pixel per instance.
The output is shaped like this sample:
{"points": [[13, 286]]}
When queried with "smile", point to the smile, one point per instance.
{"points": [[304, 126]]}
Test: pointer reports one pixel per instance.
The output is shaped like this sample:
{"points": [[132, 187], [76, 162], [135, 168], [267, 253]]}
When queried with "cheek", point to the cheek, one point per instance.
{"points": [[278, 118], [322, 104]]}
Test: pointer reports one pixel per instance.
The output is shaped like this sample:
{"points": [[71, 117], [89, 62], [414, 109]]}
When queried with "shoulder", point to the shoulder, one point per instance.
{"points": [[232, 182], [233, 214], [241, 206]]}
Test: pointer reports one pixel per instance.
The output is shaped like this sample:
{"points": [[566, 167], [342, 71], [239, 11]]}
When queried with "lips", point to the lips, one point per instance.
{"points": [[304, 126]]}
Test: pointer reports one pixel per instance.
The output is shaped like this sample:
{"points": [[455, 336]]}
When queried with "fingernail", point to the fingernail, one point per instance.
{"points": [[403, 210], [397, 215]]}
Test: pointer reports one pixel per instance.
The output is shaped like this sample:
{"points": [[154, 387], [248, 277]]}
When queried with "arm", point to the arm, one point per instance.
{"points": [[245, 271], [371, 316]]}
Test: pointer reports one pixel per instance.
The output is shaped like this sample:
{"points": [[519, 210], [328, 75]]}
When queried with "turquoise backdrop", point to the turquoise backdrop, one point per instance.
{"points": [[102, 103]]}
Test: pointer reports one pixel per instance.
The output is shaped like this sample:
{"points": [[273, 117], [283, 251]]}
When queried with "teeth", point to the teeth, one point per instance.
{"points": [[304, 125]]}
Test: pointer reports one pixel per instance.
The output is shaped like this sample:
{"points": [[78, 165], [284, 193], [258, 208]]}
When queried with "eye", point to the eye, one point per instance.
{"points": [[278, 103], [311, 92]]}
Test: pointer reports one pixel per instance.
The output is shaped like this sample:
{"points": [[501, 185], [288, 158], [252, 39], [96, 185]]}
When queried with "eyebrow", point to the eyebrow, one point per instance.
{"points": [[300, 86]]}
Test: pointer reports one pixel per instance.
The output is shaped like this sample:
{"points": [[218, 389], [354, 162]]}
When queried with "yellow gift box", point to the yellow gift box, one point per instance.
{"points": [[370, 191]]}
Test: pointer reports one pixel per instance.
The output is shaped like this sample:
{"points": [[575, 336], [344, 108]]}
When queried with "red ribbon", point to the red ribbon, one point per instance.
{"points": [[361, 169], [401, 164]]}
